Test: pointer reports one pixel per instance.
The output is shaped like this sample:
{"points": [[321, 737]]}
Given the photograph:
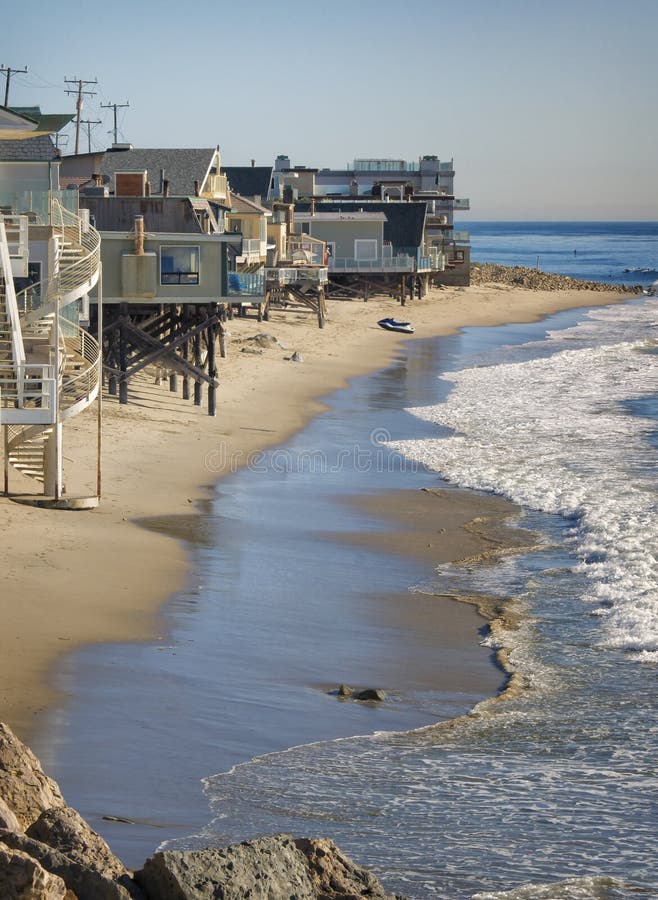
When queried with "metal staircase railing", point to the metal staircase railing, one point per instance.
{"points": [[49, 367]]}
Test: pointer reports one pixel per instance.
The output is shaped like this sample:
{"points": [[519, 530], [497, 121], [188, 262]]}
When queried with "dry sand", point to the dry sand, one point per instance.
{"points": [[72, 578]]}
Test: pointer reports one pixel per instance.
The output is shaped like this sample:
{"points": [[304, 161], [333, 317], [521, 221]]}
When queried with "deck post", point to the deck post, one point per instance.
{"points": [[212, 369], [123, 354]]}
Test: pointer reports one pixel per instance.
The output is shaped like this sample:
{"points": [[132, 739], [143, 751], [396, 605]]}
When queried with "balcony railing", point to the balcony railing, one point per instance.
{"points": [[215, 186], [292, 274], [253, 249], [462, 204], [306, 250], [246, 284], [37, 205], [390, 263]]}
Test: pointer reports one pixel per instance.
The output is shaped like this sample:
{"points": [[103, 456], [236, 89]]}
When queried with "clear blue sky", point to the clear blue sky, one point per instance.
{"points": [[549, 109]]}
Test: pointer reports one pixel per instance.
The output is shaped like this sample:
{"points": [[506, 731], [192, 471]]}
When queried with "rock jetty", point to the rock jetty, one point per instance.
{"points": [[48, 852], [536, 280]]}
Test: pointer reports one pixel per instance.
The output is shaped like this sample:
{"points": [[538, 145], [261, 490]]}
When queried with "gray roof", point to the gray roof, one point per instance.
{"points": [[181, 167], [249, 181], [36, 149]]}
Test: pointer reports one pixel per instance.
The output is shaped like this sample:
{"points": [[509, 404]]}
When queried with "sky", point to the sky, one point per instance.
{"points": [[548, 108]]}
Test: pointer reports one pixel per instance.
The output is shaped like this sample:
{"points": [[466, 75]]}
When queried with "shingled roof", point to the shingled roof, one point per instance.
{"points": [[249, 181], [405, 222], [181, 167], [36, 149]]}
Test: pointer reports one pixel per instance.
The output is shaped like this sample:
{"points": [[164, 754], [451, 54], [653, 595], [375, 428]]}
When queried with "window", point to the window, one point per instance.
{"points": [[179, 265], [365, 249]]}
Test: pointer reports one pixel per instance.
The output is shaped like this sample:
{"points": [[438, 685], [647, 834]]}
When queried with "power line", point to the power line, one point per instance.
{"points": [[8, 72], [114, 106], [80, 92], [89, 123]]}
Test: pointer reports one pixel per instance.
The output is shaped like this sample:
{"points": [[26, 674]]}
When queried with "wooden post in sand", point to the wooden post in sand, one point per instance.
{"points": [[212, 370], [123, 355], [197, 362]]}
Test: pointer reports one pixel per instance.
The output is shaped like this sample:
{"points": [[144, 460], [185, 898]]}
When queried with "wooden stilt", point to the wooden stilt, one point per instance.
{"points": [[123, 355], [212, 371]]}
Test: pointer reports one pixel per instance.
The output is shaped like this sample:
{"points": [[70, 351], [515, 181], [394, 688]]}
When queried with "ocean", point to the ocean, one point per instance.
{"points": [[611, 252], [554, 786]]}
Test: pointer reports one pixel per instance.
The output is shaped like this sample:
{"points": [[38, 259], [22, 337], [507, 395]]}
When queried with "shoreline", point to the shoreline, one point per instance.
{"points": [[87, 583]]}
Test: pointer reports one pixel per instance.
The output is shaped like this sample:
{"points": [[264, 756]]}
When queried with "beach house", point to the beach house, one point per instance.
{"points": [[50, 366], [429, 181]]}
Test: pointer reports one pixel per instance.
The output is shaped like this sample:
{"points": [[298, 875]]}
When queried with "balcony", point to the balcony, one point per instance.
{"points": [[305, 250], [338, 264], [246, 284], [216, 187], [37, 205], [253, 250], [462, 204], [296, 274]]}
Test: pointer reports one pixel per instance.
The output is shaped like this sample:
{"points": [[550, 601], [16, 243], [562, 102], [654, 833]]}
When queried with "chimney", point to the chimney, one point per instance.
{"points": [[98, 181], [162, 180], [196, 188], [139, 235], [147, 189], [165, 187], [253, 163]]}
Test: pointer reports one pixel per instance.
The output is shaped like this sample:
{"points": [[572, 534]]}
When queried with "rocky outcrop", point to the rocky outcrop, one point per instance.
{"points": [[22, 877], [65, 830], [49, 852], [536, 280], [335, 876], [24, 787], [272, 867]]}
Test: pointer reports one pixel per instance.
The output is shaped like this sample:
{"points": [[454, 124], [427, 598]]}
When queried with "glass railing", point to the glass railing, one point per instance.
{"points": [[37, 204], [246, 284], [462, 204]]}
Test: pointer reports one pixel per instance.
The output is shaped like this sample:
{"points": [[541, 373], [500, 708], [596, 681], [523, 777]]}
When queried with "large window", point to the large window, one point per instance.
{"points": [[179, 265], [365, 249]]}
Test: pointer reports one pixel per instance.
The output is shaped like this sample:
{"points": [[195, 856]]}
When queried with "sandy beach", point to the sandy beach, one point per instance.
{"points": [[75, 578]]}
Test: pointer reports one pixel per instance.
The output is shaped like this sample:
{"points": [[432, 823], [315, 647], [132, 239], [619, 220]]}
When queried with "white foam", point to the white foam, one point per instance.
{"points": [[552, 434]]}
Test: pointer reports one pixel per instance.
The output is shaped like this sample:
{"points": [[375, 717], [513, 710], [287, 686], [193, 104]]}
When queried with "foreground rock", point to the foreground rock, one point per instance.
{"points": [[272, 867], [536, 280], [49, 852]]}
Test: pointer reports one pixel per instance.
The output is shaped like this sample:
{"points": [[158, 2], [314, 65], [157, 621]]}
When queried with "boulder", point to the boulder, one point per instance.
{"points": [[266, 867], [335, 876], [85, 883], [7, 818], [369, 694], [25, 788], [22, 878], [271, 867], [65, 830]]}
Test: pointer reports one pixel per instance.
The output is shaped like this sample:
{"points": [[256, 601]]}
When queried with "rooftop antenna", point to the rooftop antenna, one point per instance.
{"points": [[115, 106]]}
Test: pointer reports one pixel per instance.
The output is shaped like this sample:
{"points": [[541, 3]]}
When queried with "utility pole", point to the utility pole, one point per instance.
{"points": [[89, 123], [80, 92], [114, 106], [8, 72]]}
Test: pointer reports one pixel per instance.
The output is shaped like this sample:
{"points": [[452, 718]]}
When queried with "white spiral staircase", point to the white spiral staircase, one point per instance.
{"points": [[50, 367]]}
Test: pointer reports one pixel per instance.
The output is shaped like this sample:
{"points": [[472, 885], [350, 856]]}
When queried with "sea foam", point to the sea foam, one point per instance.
{"points": [[554, 434]]}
